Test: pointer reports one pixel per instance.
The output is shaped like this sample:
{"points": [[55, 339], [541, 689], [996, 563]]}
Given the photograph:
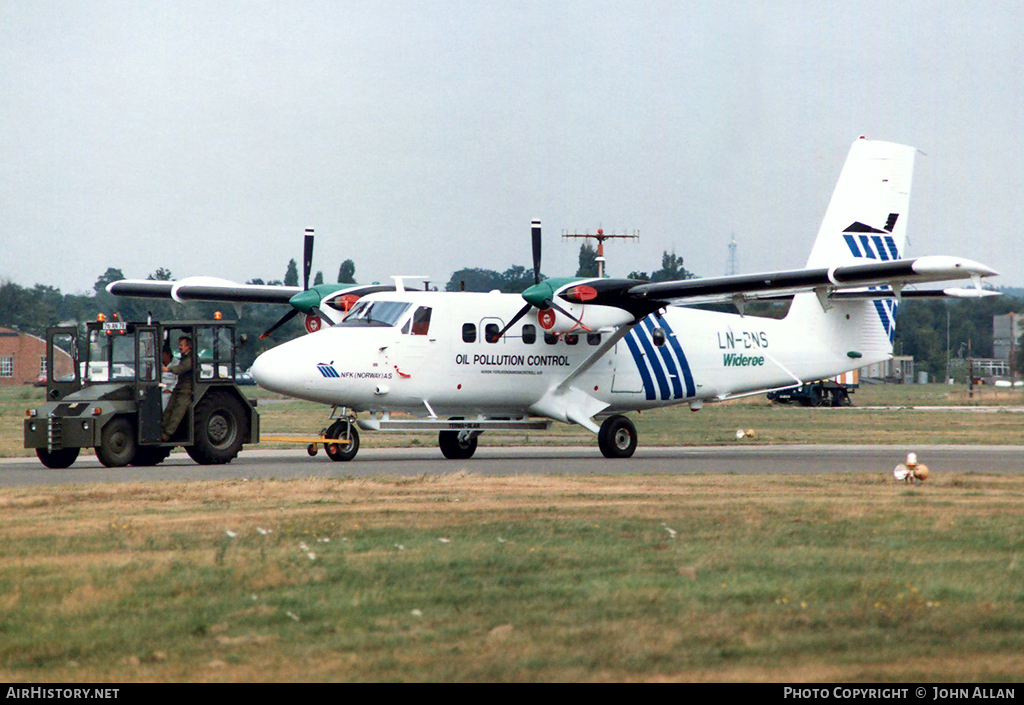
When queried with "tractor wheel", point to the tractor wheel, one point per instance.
{"points": [[151, 455], [117, 443], [57, 459], [220, 424]]}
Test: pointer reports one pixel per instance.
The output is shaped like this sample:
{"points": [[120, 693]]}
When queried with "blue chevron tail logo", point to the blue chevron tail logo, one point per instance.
{"points": [[866, 242]]}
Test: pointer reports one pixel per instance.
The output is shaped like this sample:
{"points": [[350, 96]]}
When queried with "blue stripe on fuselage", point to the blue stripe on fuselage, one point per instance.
{"points": [[659, 372], [663, 364], [638, 358], [673, 374], [674, 341]]}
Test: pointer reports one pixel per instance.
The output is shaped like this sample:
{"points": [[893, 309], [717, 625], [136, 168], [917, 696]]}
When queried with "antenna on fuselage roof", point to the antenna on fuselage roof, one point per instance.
{"points": [[400, 280], [601, 236]]}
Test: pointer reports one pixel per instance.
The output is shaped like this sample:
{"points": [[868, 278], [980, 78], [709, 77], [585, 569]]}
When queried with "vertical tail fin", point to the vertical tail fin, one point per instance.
{"points": [[867, 216], [866, 220]]}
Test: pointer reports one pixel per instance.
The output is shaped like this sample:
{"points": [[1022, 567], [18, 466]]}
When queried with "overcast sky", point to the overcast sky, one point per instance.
{"points": [[422, 137]]}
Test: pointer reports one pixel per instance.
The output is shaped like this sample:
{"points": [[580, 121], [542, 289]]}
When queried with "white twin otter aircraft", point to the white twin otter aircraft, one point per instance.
{"points": [[586, 351]]}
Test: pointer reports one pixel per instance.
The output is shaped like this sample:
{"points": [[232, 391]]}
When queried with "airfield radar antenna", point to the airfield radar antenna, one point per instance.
{"points": [[601, 236]]}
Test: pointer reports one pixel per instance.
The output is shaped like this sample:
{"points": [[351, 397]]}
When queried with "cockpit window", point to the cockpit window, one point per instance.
{"points": [[375, 313], [421, 321]]}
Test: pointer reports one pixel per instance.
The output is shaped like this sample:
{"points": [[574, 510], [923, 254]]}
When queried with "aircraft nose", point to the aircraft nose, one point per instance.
{"points": [[270, 372]]}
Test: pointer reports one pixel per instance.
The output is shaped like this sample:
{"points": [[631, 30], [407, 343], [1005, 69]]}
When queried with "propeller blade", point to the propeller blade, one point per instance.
{"points": [[551, 304], [535, 235], [320, 314], [515, 319], [307, 258], [284, 319]]}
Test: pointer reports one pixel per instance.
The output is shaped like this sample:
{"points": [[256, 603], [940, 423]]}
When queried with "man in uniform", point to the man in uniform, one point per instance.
{"points": [[181, 397]]}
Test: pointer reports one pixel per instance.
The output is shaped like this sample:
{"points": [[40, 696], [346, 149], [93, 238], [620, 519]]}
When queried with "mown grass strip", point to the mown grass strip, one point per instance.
{"points": [[521, 578]]}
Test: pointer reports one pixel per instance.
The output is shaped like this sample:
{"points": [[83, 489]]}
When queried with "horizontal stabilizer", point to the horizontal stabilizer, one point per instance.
{"points": [[951, 293]]}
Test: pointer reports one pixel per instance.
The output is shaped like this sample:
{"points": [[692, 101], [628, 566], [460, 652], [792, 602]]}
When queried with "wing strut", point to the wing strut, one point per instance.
{"points": [[564, 402], [607, 345]]}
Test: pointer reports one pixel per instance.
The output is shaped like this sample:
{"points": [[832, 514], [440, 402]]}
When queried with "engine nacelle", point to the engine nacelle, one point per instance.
{"points": [[592, 318]]}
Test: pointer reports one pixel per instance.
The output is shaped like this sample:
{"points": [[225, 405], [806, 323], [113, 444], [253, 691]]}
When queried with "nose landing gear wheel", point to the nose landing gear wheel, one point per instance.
{"points": [[340, 452], [617, 437]]}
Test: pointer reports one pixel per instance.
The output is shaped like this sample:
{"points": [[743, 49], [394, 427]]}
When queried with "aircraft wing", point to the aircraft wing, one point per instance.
{"points": [[204, 289], [850, 281]]}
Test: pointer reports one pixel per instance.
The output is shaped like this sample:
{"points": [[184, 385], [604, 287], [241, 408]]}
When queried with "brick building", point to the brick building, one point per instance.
{"points": [[23, 358]]}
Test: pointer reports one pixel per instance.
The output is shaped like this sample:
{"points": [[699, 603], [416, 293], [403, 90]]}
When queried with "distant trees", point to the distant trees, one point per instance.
{"points": [[921, 329], [588, 261], [513, 280], [109, 276], [517, 279], [291, 277], [347, 272], [672, 269], [31, 310]]}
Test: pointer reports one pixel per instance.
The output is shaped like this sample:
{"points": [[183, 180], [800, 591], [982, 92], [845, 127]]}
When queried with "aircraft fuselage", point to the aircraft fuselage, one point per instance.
{"points": [[448, 365]]}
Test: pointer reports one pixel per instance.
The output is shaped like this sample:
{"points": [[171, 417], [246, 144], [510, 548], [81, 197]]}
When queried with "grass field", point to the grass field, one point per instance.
{"points": [[462, 578], [531, 578]]}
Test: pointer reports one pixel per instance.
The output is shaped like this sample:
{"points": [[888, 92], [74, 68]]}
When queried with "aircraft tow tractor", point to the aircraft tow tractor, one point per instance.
{"points": [[113, 397]]}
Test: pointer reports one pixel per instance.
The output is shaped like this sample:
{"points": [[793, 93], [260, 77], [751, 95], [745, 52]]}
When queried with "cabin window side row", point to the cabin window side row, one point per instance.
{"points": [[529, 335]]}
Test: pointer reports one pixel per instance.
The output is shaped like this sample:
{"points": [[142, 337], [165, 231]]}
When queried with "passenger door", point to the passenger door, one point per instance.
{"points": [[148, 371], [416, 342]]}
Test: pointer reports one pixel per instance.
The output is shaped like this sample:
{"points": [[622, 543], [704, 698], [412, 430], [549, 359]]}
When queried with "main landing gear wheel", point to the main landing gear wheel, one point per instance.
{"points": [[617, 437], [57, 459], [219, 429], [117, 443], [457, 445], [339, 452]]}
